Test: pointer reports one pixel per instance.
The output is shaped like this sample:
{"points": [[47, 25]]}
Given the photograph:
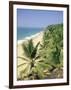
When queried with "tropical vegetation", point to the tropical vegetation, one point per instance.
{"points": [[44, 61]]}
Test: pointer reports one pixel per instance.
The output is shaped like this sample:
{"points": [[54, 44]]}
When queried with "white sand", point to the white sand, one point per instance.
{"points": [[36, 38]]}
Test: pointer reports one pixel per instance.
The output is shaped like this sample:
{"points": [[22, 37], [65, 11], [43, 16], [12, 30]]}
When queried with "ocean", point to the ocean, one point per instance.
{"points": [[22, 33]]}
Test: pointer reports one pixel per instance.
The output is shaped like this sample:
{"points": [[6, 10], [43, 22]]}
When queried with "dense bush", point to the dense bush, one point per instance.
{"points": [[52, 47]]}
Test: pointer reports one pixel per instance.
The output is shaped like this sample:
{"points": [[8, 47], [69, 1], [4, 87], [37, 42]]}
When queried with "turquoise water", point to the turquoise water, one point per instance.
{"points": [[27, 32]]}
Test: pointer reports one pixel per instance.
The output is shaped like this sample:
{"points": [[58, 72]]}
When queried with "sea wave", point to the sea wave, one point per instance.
{"points": [[30, 37]]}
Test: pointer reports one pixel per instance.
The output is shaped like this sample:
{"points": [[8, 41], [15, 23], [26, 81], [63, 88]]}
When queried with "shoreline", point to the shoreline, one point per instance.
{"points": [[30, 37], [20, 53]]}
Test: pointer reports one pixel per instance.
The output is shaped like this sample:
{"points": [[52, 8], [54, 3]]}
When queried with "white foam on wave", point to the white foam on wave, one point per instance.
{"points": [[30, 37]]}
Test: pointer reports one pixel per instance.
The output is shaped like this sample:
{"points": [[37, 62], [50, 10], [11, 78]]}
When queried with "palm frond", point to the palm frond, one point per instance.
{"points": [[25, 72], [37, 57], [23, 58], [40, 72], [30, 46], [35, 50], [39, 61], [26, 50], [21, 65]]}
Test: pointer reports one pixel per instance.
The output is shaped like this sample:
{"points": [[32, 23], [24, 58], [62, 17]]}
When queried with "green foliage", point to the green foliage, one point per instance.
{"points": [[52, 47], [47, 61], [33, 69]]}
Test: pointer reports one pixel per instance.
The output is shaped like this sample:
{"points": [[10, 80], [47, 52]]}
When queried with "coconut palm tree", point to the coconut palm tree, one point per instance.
{"points": [[32, 59]]}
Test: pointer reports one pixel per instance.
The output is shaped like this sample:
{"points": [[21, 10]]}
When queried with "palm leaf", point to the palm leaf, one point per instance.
{"points": [[39, 61], [35, 50], [21, 65], [24, 72], [37, 57], [23, 58], [26, 51], [40, 72], [30, 46]]}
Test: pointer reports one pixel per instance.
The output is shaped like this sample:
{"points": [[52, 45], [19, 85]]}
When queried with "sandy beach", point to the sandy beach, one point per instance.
{"points": [[36, 38]]}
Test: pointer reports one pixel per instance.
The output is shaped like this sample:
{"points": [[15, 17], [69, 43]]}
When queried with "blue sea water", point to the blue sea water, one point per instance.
{"points": [[27, 32]]}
